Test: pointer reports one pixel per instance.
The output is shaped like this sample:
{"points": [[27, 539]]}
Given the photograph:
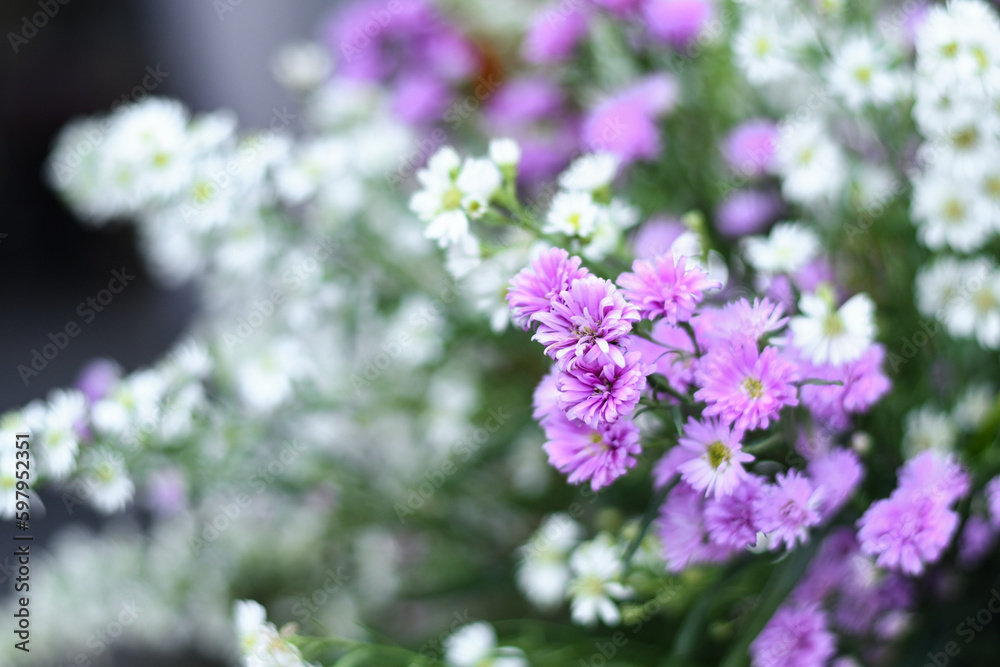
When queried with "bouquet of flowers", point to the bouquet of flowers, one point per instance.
{"points": [[615, 332]]}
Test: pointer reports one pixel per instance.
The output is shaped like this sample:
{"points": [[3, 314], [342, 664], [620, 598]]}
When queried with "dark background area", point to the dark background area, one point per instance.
{"points": [[83, 58]]}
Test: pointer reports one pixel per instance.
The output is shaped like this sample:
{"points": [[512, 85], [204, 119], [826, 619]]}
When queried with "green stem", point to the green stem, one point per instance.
{"points": [[647, 520]]}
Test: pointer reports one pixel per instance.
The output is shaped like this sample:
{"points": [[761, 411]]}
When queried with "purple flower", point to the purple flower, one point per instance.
{"points": [[666, 468], [533, 289], [656, 236], [796, 636], [932, 474], [788, 508], [420, 98], [993, 500], [626, 124], [731, 520], [676, 22], [672, 355], [555, 33], [716, 458], [665, 287], [681, 527], [745, 212], [906, 531], [746, 387], [749, 147], [829, 568], [836, 474], [619, 6], [599, 455], [978, 539], [589, 322], [740, 321], [864, 384], [97, 379], [599, 394], [545, 400]]}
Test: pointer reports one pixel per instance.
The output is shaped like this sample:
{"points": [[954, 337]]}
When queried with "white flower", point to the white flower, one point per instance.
{"points": [[475, 645], [487, 285], [938, 285], [302, 65], [266, 379], [789, 247], [927, 428], [590, 172], [543, 574], [260, 642], [976, 309], [949, 213], [463, 257], [104, 482], [973, 406], [57, 439], [505, 152], [478, 181], [825, 334], [812, 167], [762, 49], [860, 74], [596, 566], [571, 213]]}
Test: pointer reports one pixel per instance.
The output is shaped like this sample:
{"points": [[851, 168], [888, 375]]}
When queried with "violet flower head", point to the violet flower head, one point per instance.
{"points": [[796, 636], [788, 509], [555, 32], [545, 399], [534, 288], [716, 463], [740, 321], [672, 355], [419, 98], [906, 531], [745, 212], [749, 147], [731, 520], [599, 456], [837, 474], [676, 22], [681, 527], [589, 322], [97, 379], [978, 539], [746, 387], [656, 236], [599, 394], [935, 475], [993, 500], [625, 124], [666, 287]]}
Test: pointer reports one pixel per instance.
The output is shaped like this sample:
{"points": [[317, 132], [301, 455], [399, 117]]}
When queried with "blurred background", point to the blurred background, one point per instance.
{"points": [[87, 56]]}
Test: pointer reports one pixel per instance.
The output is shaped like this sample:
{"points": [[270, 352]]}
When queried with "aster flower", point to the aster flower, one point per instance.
{"points": [[731, 520], [906, 531], [543, 574], [598, 394], [555, 32], [749, 147], [716, 466], [787, 248], [836, 474], [667, 286], [596, 567], [978, 539], [746, 387], [572, 214], [796, 636], [598, 455], [475, 645], [993, 500], [591, 172], [261, 644], [671, 355], [589, 322], [825, 334], [533, 289], [681, 527], [741, 321], [676, 22], [787, 509], [936, 475], [626, 124]]}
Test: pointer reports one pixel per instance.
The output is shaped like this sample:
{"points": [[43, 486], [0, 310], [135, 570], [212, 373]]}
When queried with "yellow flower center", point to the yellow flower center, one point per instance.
{"points": [[833, 325], [452, 199], [718, 454], [953, 210], [752, 387]]}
